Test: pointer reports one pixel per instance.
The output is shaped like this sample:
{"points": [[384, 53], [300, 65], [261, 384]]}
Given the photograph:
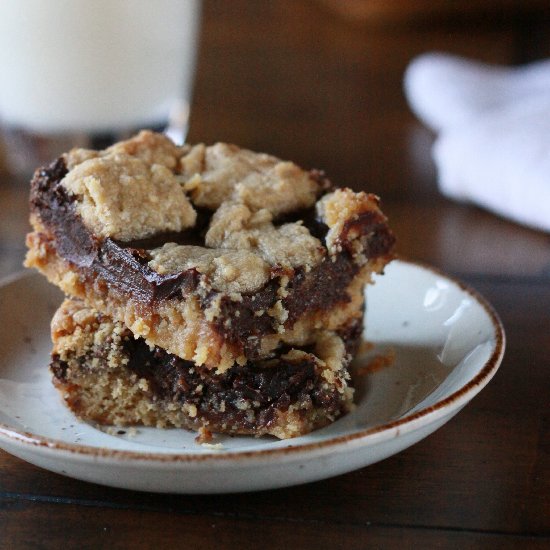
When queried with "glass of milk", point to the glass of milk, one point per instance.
{"points": [[89, 72]]}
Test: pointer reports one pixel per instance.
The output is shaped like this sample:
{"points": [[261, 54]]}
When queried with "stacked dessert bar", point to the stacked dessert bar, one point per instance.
{"points": [[206, 287]]}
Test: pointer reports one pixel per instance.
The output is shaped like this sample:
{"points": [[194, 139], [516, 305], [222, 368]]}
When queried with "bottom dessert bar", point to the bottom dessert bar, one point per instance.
{"points": [[107, 376]]}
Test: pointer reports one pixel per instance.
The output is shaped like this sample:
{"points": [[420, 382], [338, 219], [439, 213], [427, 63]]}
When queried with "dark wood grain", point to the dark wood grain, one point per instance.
{"points": [[59, 525], [292, 78]]}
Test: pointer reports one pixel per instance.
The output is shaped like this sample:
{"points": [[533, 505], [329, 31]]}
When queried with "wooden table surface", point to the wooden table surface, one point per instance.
{"points": [[305, 83]]}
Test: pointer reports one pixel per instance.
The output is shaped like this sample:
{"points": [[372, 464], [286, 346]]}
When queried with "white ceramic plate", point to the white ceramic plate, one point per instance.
{"points": [[447, 342]]}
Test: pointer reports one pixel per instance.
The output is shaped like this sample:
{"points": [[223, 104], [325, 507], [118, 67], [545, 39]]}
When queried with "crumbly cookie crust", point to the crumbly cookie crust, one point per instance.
{"points": [[223, 172]]}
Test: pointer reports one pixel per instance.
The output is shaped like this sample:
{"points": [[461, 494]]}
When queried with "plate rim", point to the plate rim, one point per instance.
{"points": [[382, 432]]}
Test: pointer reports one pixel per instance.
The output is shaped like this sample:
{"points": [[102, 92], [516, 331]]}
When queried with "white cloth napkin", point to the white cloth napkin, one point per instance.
{"points": [[493, 124]]}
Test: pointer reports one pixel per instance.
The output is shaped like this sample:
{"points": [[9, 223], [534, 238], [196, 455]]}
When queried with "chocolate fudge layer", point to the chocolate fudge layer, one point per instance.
{"points": [[107, 376], [216, 254]]}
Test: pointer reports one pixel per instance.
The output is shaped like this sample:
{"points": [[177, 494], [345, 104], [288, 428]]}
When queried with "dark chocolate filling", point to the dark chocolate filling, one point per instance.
{"points": [[124, 265]]}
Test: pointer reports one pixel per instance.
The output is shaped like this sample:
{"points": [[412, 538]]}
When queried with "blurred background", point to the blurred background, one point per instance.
{"points": [[320, 82]]}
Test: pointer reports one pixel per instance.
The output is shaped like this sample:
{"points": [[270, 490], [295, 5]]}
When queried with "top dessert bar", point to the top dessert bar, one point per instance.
{"points": [[216, 254]]}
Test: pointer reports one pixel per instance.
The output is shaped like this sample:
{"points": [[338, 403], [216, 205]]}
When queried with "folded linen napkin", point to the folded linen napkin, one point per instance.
{"points": [[493, 124]]}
